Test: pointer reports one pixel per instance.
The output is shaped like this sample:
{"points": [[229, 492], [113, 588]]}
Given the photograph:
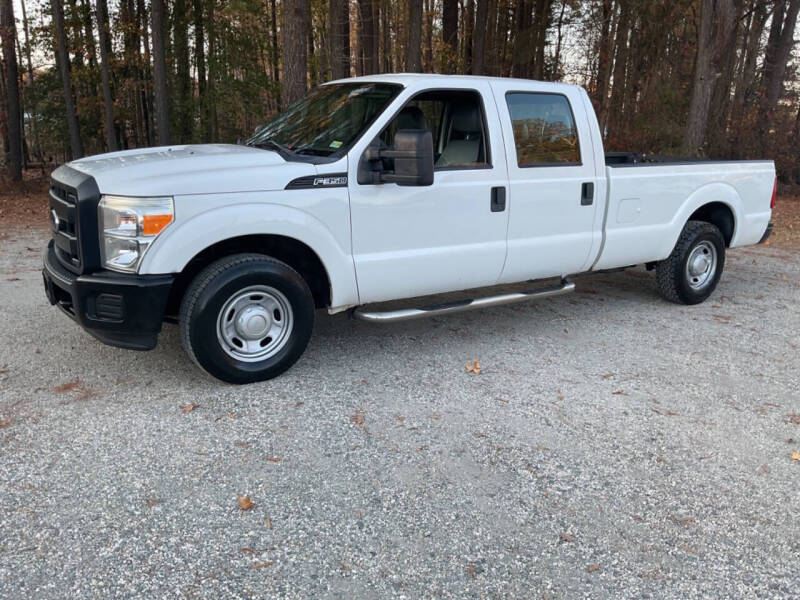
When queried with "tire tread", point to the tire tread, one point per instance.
{"points": [[669, 271], [202, 280]]}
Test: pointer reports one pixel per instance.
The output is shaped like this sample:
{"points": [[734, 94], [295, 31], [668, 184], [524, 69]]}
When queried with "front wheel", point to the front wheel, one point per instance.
{"points": [[246, 318], [690, 274]]}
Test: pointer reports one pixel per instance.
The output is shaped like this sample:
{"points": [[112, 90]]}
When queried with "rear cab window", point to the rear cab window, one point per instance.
{"points": [[545, 134]]}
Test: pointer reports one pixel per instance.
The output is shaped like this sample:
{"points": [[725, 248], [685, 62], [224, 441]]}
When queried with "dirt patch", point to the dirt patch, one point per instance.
{"points": [[786, 216], [24, 205]]}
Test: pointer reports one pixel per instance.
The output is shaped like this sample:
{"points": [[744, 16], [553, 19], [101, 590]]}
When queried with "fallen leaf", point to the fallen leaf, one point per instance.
{"points": [[567, 537], [346, 569], [245, 503], [796, 455], [608, 376], [618, 393], [187, 408], [794, 418], [247, 550], [475, 367], [357, 418], [274, 459], [471, 570], [261, 565], [5, 423], [593, 568], [268, 523], [764, 469], [69, 386], [13, 279]]}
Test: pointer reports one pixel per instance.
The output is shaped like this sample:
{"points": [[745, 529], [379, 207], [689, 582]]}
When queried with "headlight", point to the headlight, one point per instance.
{"points": [[127, 228]]}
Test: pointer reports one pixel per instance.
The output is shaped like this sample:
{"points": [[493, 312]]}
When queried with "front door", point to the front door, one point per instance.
{"points": [[412, 241]]}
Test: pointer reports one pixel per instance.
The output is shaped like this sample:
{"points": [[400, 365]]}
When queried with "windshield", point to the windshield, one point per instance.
{"points": [[327, 120]]}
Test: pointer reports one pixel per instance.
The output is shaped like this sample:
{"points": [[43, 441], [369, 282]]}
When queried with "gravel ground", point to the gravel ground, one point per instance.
{"points": [[613, 445]]}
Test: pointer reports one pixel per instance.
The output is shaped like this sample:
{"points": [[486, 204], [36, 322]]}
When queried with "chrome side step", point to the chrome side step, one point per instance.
{"points": [[407, 314]]}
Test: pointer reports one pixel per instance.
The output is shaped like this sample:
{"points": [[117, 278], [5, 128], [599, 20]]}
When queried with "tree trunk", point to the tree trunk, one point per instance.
{"points": [[713, 41], [450, 35], [160, 72], [183, 75], [75, 142], [600, 91], [105, 73], [145, 73], [29, 63], [295, 58], [617, 101], [541, 22], [368, 36], [428, 62], [479, 37], [414, 45], [386, 37], [200, 65], [88, 32], [339, 19], [8, 33], [469, 32], [776, 58]]}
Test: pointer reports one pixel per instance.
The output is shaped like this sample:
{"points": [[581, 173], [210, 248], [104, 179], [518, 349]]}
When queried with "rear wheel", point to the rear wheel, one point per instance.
{"points": [[691, 273], [246, 318]]}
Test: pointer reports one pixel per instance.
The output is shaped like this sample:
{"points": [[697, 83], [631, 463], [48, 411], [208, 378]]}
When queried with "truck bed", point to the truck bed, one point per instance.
{"points": [[647, 207]]}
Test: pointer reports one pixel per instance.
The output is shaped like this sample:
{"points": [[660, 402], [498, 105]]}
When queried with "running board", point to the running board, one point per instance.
{"points": [[406, 314]]}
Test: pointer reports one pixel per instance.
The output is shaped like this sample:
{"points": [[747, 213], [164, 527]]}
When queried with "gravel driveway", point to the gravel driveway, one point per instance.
{"points": [[613, 445]]}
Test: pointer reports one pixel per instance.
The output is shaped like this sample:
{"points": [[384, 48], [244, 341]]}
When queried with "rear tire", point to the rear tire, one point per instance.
{"points": [[246, 318], [691, 273]]}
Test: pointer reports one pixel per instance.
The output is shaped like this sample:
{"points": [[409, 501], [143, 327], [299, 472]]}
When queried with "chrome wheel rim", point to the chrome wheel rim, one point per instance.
{"points": [[701, 265], [255, 323]]}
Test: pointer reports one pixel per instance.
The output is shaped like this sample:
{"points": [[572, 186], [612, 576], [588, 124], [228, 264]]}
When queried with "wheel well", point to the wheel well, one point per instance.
{"points": [[294, 253], [718, 214]]}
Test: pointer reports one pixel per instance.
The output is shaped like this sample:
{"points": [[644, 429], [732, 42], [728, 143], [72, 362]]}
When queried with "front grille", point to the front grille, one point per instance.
{"points": [[64, 220], [73, 219]]}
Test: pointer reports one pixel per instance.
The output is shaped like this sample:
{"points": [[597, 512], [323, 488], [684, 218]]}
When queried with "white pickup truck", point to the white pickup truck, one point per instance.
{"points": [[374, 189]]}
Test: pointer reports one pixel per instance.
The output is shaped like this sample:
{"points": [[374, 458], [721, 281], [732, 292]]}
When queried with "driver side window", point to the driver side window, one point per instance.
{"points": [[456, 122]]}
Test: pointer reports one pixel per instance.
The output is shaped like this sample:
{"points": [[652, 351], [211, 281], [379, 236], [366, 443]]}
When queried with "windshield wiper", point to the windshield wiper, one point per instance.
{"points": [[272, 144]]}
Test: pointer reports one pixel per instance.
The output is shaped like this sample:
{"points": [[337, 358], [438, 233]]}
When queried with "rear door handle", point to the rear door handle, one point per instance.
{"points": [[587, 194], [498, 203]]}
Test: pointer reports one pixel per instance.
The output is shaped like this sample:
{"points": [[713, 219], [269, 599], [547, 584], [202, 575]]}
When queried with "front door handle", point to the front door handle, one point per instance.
{"points": [[587, 194], [498, 202]]}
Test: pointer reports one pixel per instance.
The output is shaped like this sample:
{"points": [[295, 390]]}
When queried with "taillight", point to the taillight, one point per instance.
{"points": [[774, 193]]}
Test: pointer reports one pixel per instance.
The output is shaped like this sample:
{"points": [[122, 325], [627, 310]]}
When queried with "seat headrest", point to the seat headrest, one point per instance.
{"points": [[466, 118], [411, 117]]}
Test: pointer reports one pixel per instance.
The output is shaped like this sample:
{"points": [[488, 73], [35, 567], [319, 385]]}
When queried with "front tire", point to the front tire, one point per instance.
{"points": [[246, 318], [691, 273]]}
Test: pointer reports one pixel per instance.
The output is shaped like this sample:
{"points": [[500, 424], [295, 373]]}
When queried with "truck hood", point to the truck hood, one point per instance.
{"points": [[192, 169]]}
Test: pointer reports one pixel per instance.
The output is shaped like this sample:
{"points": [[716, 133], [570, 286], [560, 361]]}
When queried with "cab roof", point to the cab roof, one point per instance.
{"points": [[435, 79]]}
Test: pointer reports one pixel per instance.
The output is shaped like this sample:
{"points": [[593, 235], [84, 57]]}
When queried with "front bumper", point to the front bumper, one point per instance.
{"points": [[120, 310]]}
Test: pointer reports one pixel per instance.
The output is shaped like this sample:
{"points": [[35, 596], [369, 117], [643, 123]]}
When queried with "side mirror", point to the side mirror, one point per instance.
{"points": [[413, 159]]}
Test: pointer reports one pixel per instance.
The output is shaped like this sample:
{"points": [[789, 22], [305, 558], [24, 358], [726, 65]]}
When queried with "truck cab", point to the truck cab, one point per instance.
{"points": [[375, 189]]}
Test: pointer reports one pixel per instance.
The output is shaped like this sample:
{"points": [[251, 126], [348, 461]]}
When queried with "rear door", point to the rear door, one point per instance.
{"points": [[553, 187], [413, 241]]}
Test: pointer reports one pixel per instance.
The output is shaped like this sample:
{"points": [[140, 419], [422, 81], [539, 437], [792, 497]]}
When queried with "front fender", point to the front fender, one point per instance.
{"points": [[185, 239]]}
